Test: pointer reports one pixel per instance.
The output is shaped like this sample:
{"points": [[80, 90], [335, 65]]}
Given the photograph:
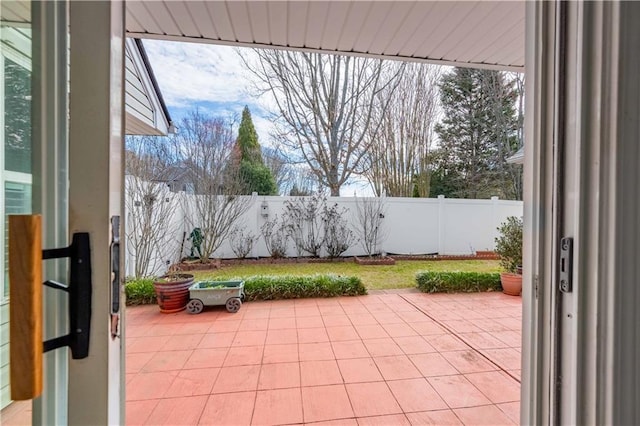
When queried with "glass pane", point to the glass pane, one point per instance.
{"points": [[17, 117], [15, 134], [17, 197]]}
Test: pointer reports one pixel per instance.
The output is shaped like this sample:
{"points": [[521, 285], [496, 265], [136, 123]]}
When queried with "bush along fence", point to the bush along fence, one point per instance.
{"points": [[458, 282], [140, 292]]}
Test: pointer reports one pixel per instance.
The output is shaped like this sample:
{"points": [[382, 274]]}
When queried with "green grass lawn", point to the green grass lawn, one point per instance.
{"points": [[400, 275]]}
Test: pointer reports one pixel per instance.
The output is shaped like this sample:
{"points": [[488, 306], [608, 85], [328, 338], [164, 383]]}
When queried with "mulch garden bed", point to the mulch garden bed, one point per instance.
{"points": [[375, 260], [447, 257], [196, 265]]}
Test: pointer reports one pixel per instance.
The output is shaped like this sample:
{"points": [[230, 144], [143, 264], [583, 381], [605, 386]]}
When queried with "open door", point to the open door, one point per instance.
{"points": [[581, 353], [63, 160]]}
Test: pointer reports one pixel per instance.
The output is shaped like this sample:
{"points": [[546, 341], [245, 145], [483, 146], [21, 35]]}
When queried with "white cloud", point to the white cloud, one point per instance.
{"points": [[191, 72]]}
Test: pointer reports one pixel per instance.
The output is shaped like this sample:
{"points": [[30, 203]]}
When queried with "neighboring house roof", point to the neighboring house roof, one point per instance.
{"points": [[146, 111], [173, 174], [517, 158]]}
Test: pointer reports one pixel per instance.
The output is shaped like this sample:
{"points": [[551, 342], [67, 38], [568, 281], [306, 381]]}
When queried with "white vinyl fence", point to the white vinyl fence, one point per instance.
{"points": [[411, 226]]}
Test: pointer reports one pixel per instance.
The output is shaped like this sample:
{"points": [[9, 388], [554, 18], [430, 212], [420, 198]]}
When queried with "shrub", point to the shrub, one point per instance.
{"points": [[275, 237], [303, 217], [297, 287], [370, 229], [458, 282], [509, 244], [241, 242], [140, 292], [337, 235]]}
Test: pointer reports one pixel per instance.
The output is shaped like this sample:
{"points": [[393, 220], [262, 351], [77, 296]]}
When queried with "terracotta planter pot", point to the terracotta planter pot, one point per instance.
{"points": [[172, 292], [511, 283]]}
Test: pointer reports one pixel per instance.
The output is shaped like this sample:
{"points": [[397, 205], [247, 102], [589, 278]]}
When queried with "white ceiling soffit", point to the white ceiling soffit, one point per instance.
{"points": [[15, 13], [484, 34]]}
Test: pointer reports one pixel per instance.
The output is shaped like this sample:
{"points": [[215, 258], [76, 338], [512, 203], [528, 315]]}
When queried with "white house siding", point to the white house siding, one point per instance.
{"points": [[137, 100]]}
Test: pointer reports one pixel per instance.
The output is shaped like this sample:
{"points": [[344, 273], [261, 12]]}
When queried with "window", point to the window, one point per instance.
{"points": [[15, 131], [17, 198], [17, 117]]}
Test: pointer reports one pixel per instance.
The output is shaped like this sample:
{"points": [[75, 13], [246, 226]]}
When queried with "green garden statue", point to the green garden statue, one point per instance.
{"points": [[196, 241]]}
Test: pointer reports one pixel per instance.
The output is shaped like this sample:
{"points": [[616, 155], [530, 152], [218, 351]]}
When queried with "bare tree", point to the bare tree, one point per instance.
{"points": [[370, 213], [516, 170], [302, 181], [398, 156], [326, 105], [281, 170], [205, 146], [149, 204]]}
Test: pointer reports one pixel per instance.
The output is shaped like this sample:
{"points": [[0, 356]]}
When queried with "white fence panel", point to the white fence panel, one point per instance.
{"points": [[411, 225]]}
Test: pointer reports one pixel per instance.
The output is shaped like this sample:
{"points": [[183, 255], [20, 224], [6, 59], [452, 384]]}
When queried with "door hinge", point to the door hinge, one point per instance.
{"points": [[566, 265]]}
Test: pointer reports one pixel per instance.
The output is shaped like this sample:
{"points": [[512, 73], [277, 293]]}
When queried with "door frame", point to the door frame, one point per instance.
{"points": [[96, 176], [50, 189]]}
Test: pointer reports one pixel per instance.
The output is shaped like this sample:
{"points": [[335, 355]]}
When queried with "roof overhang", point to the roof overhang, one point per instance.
{"points": [[517, 158], [145, 110], [482, 34]]}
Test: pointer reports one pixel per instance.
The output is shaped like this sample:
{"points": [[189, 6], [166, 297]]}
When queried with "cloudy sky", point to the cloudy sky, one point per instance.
{"points": [[208, 77], [213, 78]]}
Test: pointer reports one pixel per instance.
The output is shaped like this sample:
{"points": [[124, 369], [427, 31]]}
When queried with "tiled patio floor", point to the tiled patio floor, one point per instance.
{"points": [[383, 359]]}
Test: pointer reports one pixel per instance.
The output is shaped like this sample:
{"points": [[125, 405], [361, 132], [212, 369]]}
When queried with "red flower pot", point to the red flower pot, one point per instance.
{"points": [[511, 283], [172, 292]]}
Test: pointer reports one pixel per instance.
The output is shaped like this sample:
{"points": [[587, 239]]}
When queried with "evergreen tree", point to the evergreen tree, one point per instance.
{"points": [[256, 176], [444, 177], [477, 135], [248, 139]]}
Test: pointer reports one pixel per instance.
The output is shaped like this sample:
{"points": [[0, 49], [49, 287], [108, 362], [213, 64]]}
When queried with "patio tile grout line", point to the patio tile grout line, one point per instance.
{"points": [[463, 340], [378, 322], [452, 409], [344, 384], [300, 377], [266, 335], [386, 382]]}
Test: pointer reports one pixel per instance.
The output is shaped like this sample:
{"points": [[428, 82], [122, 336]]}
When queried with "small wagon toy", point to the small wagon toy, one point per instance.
{"points": [[216, 293]]}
